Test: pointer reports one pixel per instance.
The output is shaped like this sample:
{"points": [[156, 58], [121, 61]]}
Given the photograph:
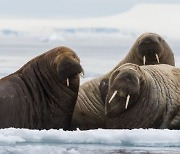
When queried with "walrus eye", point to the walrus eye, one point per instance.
{"points": [[74, 56], [117, 72], [159, 38], [61, 52]]}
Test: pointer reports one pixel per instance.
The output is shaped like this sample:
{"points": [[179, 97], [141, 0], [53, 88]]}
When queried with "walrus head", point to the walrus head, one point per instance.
{"points": [[61, 63], [152, 49], [66, 66], [124, 87]]}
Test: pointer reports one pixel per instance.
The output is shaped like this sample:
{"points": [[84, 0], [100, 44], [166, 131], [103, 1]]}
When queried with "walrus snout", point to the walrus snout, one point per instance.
{"points": [[68, 69], [125, 85], [126, 81]]}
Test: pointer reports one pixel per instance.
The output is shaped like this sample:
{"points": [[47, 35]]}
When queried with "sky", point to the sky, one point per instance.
{"points": [[69, 8]]}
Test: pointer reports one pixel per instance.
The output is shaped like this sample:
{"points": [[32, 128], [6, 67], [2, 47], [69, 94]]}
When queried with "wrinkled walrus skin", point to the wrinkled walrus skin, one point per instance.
{"points": [[41, 94], [143, 97], [149, 48]]}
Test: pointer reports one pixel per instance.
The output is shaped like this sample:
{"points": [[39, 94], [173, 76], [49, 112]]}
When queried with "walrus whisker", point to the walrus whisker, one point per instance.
{"points": [[144, 60], [67, 81], [127, 101], [113, 96], [157, 58]]}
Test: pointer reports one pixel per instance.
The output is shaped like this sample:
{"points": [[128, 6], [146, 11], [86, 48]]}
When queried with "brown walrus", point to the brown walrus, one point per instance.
{"points": [[149, 48], [41, 94], [143, 97]]}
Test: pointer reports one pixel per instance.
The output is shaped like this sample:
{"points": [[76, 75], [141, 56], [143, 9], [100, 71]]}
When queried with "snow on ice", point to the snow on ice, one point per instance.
{"points": [[135, 137]]}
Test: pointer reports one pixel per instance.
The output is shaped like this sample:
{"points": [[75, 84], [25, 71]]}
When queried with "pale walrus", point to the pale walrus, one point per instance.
{"points": [[41, 94], [149, 48], [143, 97]]}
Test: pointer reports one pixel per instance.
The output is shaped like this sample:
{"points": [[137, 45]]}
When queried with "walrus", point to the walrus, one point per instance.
{"points": [[42, 93], [149, 48], [143, 97]]}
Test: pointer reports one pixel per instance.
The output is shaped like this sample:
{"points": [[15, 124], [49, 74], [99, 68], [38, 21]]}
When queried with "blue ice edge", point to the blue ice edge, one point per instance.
{"points": [[124, 137]]}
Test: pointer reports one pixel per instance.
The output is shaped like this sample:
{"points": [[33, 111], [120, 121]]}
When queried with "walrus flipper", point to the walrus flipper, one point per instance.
{"points": [[103, 88]]}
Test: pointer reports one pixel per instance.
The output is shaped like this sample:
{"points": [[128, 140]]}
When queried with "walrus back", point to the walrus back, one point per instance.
{"points": [[13, 113], [89, 107], [167, 79]]}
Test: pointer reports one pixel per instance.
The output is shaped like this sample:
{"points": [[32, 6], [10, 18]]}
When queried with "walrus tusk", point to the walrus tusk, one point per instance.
{"points": [[67, 81], [157, 58], [113, 96], [127, 101], [144, 60], [81, 74]]}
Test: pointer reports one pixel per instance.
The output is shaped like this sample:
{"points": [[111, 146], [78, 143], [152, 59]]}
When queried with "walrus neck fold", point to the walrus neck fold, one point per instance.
{"points": [[148, 103]]}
